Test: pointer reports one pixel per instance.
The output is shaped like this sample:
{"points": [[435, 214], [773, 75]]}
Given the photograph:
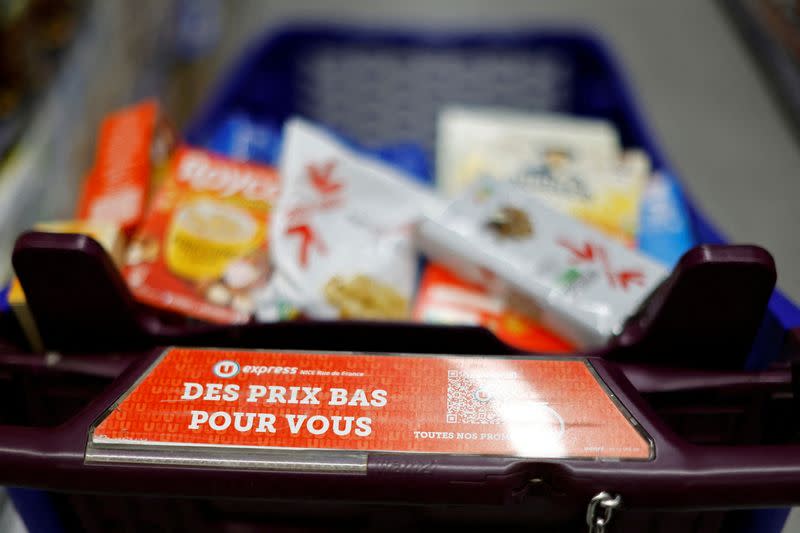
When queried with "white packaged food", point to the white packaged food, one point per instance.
{"points": [[572, 278], [572, 164], [476, 142], [341, 236]]}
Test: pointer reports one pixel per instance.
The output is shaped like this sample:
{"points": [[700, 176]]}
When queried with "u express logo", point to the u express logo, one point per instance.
{"points": [[482, 395], [226, 369]]}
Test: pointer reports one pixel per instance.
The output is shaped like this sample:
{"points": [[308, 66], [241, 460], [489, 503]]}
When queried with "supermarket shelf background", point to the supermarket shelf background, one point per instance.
{"points": [[705, 98]]}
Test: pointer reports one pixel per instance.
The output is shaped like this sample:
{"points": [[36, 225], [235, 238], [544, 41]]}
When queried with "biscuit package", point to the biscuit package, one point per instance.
{"points": [[341, 236], [574, 165], [202, 248], [569, 277]]}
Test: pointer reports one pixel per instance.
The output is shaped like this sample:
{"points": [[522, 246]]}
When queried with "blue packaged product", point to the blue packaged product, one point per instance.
{"points": [[665, 231], [239, 137], [243, 139]]}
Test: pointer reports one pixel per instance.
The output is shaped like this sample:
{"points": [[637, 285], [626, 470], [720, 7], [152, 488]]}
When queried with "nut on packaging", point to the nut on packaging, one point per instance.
{"points": [[569, 277], [341, 235]]}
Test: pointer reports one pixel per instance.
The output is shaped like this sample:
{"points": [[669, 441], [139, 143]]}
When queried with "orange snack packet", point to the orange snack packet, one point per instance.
{"points": [[202, 248], [443, 298], [130, 144]]}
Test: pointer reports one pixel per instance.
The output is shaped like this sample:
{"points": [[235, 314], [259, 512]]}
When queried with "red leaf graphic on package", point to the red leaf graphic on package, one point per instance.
{"points": [[596, 253], [629, 277], [585, 254], [321, 178], [309, 239]]}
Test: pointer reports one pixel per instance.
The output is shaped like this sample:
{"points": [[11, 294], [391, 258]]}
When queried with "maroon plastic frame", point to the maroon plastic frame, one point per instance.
{"points": [[680, 476]]}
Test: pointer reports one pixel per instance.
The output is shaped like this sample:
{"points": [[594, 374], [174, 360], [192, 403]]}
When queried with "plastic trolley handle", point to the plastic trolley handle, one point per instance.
{"points": [[704, 315], [677, 475]]}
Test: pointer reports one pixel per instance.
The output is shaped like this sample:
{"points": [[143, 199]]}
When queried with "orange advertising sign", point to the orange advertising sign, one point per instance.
{"points": [[535, 408]]}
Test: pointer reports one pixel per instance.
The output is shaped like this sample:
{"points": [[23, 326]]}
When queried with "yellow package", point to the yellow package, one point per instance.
{"points": [[614, 198], [572, 164]]}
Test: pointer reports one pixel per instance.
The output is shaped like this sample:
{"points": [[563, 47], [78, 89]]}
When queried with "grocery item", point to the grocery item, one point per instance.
{"points": [[572, 164], [474, 141], [341, 234], [365, 297], [570, 277], [665, 230], [132, 143], [614, 200], [108, 235], [202, 248], [444, 298], [245, 140]]}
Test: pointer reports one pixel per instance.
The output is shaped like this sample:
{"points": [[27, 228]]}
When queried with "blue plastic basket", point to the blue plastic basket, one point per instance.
{"points": [[384, 87]]}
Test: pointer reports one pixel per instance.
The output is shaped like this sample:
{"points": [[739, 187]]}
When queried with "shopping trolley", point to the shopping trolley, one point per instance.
{"points": [[719, 435]]}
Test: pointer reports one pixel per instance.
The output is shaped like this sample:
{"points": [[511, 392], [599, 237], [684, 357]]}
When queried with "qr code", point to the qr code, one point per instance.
{"points": [[467, 403]]}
